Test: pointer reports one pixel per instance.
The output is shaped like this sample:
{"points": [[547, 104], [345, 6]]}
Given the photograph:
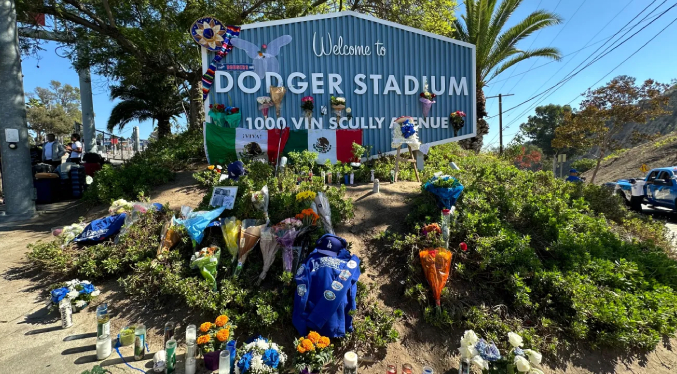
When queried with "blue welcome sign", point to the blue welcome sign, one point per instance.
{"points": [[379, 68]]}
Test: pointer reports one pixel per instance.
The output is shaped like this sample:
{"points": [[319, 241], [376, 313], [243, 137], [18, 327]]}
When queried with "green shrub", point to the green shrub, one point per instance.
{"points": [[584, 164]]}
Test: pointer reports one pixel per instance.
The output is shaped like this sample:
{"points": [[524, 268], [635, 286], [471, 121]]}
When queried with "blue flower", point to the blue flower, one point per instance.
{"points": [[87, 288], [488, 352], [518, 351], [245, 362], [271, 358], [407, 129], [59, 294]]}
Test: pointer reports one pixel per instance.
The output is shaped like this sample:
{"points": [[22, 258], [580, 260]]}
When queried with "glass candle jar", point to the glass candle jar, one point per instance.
{"points": [[190, 364], [391, 369], [170, 349], [169, 331], [103, 347], [139, 342], [350, 363], [224, 362], [407, 369], [102, 320], [191, 333]]}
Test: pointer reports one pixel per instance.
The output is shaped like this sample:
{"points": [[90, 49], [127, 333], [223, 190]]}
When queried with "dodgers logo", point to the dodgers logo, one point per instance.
{"points": [[352, 264], [336, 286], [329, 295], [301, 289], [299, 272]]}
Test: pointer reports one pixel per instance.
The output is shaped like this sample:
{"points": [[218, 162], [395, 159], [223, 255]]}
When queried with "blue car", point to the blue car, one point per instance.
{"points": [[658, 188]]}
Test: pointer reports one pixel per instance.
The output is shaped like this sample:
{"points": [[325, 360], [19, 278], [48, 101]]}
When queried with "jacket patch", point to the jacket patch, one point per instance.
{"points": [[299, 272], [336, 286], [329, 295], [301, 289], [352, 264], [344, 275]]}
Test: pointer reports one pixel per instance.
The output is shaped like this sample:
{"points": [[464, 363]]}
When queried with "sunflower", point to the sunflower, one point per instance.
{"points": [[314, 337], [205, 326], [223, 335], [307, 344], [203, 339], [221, 320]]}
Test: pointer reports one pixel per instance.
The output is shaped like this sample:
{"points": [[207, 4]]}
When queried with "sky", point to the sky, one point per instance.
{"points": [[586, 24]]}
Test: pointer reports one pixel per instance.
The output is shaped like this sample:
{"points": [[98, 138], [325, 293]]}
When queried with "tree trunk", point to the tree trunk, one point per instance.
{"points": [[554, 164], [599, 161], [196, 110], [163, 127], [475, 143]]}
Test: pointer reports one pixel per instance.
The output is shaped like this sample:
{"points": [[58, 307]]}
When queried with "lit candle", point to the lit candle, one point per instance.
{"points": [[103, 347]]}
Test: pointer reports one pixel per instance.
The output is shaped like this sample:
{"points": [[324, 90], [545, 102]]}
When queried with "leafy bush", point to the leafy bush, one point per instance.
{"points": [[584, 164], [549, 258], [146, 169]]}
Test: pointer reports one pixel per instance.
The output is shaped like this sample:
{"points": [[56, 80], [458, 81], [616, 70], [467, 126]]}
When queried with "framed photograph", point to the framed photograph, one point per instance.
{"points": [[223, 196]]}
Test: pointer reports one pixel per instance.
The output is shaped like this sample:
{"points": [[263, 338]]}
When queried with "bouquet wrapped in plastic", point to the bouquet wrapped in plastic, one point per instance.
{"points": [[324, 211], [250, 234], [207, 261], [285, 233], [436, 264], [68, 233], [457, 120], [404, 132], [277, 94], [427, 100], [269, 247], [446, 189], [230, 228], [196, 222], [260, 200], [265, 102]]}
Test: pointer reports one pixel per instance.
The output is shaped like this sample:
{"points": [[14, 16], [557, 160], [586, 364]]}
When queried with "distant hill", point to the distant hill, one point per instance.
{"points": [[660, 153]]}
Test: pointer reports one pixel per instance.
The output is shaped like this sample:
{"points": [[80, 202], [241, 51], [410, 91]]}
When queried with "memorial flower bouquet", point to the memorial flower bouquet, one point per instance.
{"points": [[308, 104], [338, 104], [230, 228], [120, 206], [80, 293], [305, 197], [214, 337], [285, 233], [265, 102], [260, 200], [314, 352], [261, 356], [308, 217], [404, 132], [427, 100], [207, 261], [488, 357], [277, 94], [70, 232], [457, 120]]}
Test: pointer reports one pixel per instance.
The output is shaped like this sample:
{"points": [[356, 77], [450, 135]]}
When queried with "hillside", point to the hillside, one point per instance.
{"points": [[660, 153]]}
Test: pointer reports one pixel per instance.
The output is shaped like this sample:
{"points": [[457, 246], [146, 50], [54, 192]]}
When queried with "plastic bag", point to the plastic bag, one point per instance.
{"points": [[207, 261], [168, 237], [196, 222]]}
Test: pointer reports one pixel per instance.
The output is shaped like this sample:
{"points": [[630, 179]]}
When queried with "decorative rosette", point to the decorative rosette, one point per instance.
{"points": [[208, 32]]}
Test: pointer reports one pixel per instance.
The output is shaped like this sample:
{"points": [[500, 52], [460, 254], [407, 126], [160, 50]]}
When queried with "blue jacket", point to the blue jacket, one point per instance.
{"points": [[101, 229], [573, 178], [326, 285]]}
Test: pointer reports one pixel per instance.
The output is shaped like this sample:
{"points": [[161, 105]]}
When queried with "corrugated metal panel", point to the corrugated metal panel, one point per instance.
{"points": [[408, 52]]}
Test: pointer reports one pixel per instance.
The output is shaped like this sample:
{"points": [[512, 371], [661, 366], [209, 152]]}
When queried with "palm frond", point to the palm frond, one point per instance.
{"points": [[547, 52], [127, 111]]}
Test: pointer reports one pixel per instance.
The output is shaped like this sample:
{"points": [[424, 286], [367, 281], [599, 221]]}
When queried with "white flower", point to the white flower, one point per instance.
{"points": [[80, 304], [262, 344], [86, 282], [96, 293], [72, 283], [469, 338], [534, 357], [467, 351], [536, 371], [73, 294], [515, 340], [219, 167], [482, 363], [257, 363], [522, 364], [348, 110], [283, 357]]}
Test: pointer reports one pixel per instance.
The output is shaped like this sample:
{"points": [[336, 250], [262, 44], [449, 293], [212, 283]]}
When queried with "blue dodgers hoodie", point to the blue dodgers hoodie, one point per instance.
{"points": [[326, 285]]}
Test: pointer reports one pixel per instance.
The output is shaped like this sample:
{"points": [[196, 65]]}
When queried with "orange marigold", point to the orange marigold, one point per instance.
{"points": [[299, 216], [221, 320], [324, 342], [203, 339], [307, 345], [223, 335], [205, 326], [300, 349], [314, 337]]}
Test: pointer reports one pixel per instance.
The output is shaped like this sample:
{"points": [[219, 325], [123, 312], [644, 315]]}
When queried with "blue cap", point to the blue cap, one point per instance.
{"points": [[329, 242], [236, 170], [573, 171]]}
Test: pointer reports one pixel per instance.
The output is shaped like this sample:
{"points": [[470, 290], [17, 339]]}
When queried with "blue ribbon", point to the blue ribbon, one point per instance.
{"points": [[117, 349]]}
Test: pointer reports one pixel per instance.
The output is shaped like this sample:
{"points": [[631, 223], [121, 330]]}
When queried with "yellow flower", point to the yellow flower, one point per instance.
{"points": [[203, 339], [324, 342], [205, 326], [223, 335], [300, 349], [307, 345], [210, 167], [221, 320], [314, 337]]}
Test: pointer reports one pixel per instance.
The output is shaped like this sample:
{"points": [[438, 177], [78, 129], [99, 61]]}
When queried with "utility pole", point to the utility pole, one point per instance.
{"points": [[17, 177], [500, 120]]}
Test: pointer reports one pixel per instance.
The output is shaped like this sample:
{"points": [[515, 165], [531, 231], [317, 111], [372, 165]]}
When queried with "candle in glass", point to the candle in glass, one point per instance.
{"points": [[170, 349], [103, 347], [191, 333], [190, 364], [224, 362], [407, 369], [392, 369]]}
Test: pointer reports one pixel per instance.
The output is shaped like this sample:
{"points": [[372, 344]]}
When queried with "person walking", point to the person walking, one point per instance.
{"points": [[52, 151], [76, 149]]}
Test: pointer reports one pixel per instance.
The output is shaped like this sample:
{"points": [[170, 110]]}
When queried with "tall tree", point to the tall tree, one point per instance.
{"points": [[154, 97], [120, 38], [540, 128], [483, 25], [54, 109], [605, 110]]}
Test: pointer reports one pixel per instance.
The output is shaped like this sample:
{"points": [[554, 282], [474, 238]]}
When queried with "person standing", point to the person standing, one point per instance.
{"points": [[52, 151], [573, 176], [76, 149]]}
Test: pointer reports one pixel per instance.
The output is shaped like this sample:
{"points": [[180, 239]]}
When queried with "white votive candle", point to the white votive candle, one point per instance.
{"points": [[103, 347], [190, 365]]}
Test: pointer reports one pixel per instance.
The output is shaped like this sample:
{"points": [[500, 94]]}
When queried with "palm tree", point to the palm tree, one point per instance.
{"points": [[496, 51], [155, 97]]}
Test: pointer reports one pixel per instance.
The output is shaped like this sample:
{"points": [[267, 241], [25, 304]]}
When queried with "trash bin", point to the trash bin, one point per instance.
{"points": [[48, 189], [77, 175]]}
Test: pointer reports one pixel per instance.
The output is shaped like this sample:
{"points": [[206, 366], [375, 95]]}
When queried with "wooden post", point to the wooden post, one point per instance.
{"points": [[411, 159]]}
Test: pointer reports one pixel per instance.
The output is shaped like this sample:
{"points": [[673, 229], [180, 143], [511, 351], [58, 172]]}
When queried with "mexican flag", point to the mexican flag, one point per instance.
{"points": [[224, 145]]}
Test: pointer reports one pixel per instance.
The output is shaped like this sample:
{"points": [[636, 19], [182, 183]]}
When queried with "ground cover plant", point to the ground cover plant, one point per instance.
{"points": [[559, 262]]}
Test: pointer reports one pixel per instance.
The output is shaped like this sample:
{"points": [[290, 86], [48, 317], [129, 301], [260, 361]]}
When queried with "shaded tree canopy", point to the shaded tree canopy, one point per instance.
{"points": [[54, 109], [540, 128]]}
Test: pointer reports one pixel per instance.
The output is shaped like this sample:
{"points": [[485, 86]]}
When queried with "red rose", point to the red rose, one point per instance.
{"points": [[463, 246]]}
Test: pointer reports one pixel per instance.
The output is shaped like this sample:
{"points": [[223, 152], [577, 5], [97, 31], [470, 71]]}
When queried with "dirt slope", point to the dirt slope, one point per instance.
{"points": [[661, 153]]}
